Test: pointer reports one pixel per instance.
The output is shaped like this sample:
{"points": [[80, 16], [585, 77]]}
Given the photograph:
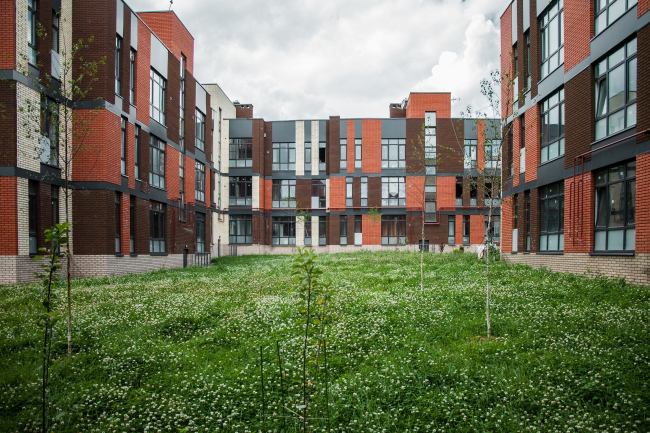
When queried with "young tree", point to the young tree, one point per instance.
{"points": [[56, 120]]}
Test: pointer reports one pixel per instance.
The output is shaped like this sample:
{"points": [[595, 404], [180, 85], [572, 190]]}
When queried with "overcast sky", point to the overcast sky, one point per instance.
{"points": [[311, 59]]}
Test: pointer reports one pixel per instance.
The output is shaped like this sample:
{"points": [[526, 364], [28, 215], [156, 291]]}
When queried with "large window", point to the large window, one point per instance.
{"points": [[358, 230], [393, 191], [318, 198], [241, 191], [49, 134], [430, 210], [466, 229], [307, 158], [344, 154], [430, 143], [608, 11], [343, 230], [200, 130], [55, 31], [616, 208], [157, 158], [492, 153], [284, 156], [551, 220], [118, 223], [357, 153], [451, 230], [200, 233], [321, 156], [527, 59], [136, 158], [616, 91], [241, 152], [32, 216], [157, 85], [348, 192], [393, 153], [240, 229], [283, 230], [123, 148], [118, 62], [284, 193], [552, 25], [132, 77], [181, 140], [393, 230], [469, 159], [495, 228], [459, 191], [31, 32], [322, 231], [308, 231], [552, 137], [199, 190], [157, 227], [364, 191]]}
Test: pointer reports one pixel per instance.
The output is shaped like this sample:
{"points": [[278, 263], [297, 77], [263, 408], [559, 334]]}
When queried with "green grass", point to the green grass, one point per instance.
{"points": [[179, 349]]}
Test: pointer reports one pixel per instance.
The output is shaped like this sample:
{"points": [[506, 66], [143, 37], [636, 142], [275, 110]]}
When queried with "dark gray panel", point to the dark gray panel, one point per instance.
{"points": [[358, 128], [620, 136], [344, 128], [56, 5], [551, 83], [613, 154], [307, 131], [470, 131], [322, 131], [119, 22], [284, 132], [526, 13], [541, 5], [199, 155], [241, 128], [492, 129], [201, 98], [513, 24], [134, 31], [622, 28], [157, 194], [550, 172], [393, 128], [159, 56], [157, 129]]}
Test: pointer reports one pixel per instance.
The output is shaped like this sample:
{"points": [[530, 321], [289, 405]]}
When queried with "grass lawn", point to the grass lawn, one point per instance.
{"points": [[179, 350]]}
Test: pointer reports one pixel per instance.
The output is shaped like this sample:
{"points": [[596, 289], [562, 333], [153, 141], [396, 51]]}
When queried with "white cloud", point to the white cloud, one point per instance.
{"points": [[461, 73]]}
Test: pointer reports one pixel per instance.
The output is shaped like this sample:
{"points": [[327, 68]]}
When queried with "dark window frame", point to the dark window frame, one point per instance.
{"points": [[132, 224], [283, 156], [393, 229], [157, 90], [602, 18], [157, 236], [549, 194], [319, 189], [118, 65], [200, 129], [364, 191], [199, 181], [136, 158], [32, 211], [554, 11], [118, 223], [283, 231], [240, 191], [123, 147], [343, 230], [32, 36], [241, 152], [349, 202], [552, 142], [156, 153], [55, 31], [240, 229], [307, 157], [466, 230], [132, 77], [604, 184], [200, 232], [283, 193], [393, 153], [358, 152], [344, 154], [387, 198]]}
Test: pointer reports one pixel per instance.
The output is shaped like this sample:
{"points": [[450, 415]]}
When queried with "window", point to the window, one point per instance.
{"points": [[616, 91], [118, 63], [510, 144], [608, 11], [284, 193], [473, 191], [515, 55], [199, 191], [551, 222], [470, 153], [200, 233], [49, 128], [430, 209], [33, 217], [157, 158], [348, 192], [459, 191], [240, 229], [322, 231], [181, 187], [308, 231], [343, 231], [616, 208], [137, 152], [54, 205], [123, 148], [527, 66], [200, 130], [489, 201], [157, 227], [283, 230], [132, 225], [241, 191], [393, 153], [241, 152], [495, 228], [451, 230], [393, 229], [31, 32], [393, 191], [318, 198], [132, 77], [522, 133], [426, 245], [552, 118], [284, 156], [307, 157], [527, 211], [118, 223], [157, 86], [321, 156], [466, 230], [364, 191], [55, 31], [357, 153], [515, 212], [430, 143], [181, 140], [344, 153], [492, 153], [358, 230], [552, 28]]}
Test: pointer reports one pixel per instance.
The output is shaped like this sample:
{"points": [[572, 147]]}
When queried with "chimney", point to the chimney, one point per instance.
{"points": [[243, 111]]}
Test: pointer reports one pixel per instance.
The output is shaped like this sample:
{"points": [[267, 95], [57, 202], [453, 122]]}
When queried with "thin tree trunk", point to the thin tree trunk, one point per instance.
{"points": [[422, 255], [304, 360], [68, 254]]}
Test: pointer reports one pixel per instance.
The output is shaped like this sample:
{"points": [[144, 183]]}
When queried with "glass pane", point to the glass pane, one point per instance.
{"points": [[601, 129], [553, 124], [631, 80], [600, 241], [601, 98], [553, 35], [630, 118], [544, 216], [617, 88], [542, 243], [631, 202], [631, 46], [615, 239], [601, 207], [616, 122], [630, 239], [553, 150], [616, 9], [553, 215], [553, 242], [617, 205]]}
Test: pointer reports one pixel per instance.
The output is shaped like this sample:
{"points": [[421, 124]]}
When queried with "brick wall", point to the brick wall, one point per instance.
{"points": [[396, 111], [243, 111], [267, 193], [643, 7], [506, 58], [643, 80], [532, 122], [579, 17], [371, 229], [94, 228], [419, 103], [142, 74], [9, 216], [190, 177], [643, 203], [579, 102], [374, 192], [125, 62], [584, 228], [516, 145], [172, 178], [259, 155], [414, 146], [446, 192], [450, 146], [337, 193], [507, 213], [8, 36], [8, 119], [415, 192], [99, 155], [173, 103], [172, 33], [303, 193], [190, 112], [350, 141], [476, 229], [371, 146]]}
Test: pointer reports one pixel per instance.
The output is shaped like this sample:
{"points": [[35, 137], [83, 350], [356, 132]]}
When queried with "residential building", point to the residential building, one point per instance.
{"points": [[344, 184], [576, 162]]}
